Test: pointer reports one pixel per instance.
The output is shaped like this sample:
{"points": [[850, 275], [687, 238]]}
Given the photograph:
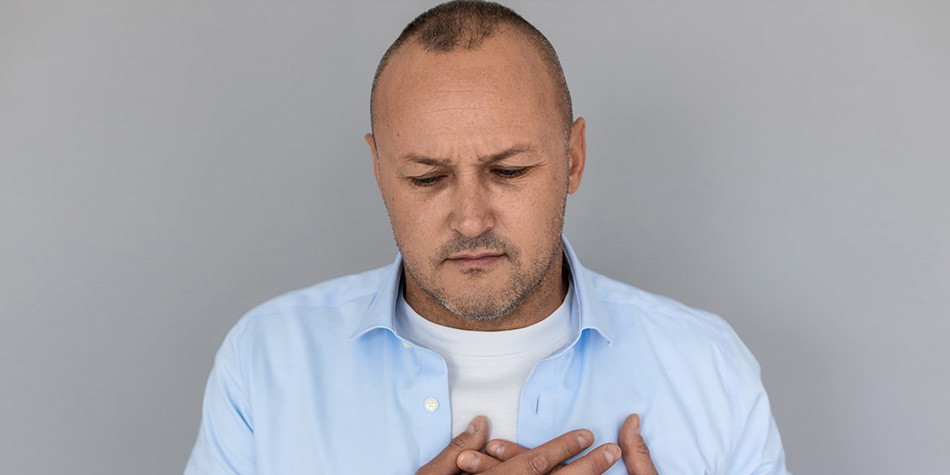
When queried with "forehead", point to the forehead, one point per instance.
{"points": [[499, 88]]}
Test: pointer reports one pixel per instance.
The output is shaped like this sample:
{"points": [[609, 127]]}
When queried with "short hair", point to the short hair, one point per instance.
{"points": [[466, 24]]}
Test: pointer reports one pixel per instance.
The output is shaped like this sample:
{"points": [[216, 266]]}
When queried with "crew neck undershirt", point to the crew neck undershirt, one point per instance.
{"points": [[487, 369]]}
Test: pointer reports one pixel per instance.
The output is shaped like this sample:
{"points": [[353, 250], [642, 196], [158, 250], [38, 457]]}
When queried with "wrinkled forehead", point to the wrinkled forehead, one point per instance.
{"points": [[502, 80]]}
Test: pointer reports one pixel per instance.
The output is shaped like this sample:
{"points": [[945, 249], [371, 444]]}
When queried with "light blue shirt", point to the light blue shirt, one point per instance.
{"points": [[321, 381]]}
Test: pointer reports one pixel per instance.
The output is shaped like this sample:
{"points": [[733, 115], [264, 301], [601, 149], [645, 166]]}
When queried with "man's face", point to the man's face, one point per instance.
{"points": [[472, 163]]}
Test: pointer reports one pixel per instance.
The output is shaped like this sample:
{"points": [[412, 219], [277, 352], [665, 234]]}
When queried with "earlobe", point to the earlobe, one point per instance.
{"points": [[577, 154]]}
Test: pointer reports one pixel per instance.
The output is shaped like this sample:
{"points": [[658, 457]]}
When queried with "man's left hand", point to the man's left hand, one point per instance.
{"points": [[636, 454]]}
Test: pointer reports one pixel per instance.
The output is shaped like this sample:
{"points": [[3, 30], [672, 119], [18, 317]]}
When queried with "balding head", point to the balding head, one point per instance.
{"points": [[464, 25]]}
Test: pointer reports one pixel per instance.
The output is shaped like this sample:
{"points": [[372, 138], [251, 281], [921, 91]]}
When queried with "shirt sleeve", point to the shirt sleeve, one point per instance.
{"points": [[758, 447], [225, 442]]}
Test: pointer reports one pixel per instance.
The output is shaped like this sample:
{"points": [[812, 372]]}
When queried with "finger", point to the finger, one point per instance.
{"points": [[545, 457], [504, 450], [473, 461], [473, 438], [636, 454], [596, 461]]}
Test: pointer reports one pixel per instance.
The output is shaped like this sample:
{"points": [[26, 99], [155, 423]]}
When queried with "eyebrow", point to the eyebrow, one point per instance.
{"points": [[509, 152]]}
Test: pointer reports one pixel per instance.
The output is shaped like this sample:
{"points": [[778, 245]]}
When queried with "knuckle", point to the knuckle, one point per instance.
{"points": [[598, 465], [537, 464], [642, 448], [459, 443]]}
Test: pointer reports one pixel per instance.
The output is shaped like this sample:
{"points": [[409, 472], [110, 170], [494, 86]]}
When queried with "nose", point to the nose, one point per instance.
{"points": [[472, 211]]}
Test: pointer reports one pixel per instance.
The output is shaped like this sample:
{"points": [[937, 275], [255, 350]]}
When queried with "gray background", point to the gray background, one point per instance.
{"points": [[165, 166]]}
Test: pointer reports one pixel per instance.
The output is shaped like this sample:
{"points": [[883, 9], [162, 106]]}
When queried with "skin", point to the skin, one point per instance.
{"points": [[464, 454], [471, 160], [473, 166]]}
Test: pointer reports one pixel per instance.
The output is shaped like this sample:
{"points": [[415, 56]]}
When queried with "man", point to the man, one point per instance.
{"points": [[486, 326]]}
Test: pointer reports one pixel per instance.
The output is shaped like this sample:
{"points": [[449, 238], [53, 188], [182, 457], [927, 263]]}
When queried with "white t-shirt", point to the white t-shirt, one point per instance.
{"points": [[487, 369]]}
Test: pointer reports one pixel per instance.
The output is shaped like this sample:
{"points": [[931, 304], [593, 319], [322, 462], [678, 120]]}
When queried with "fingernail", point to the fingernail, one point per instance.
{"points": [[636, 423], [471, 429], [468, 461], [496, 449], [613, 453], [582, 440]]}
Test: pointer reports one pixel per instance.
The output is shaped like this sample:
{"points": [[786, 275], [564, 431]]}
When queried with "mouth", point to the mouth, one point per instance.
{"points": [[474, 260]]}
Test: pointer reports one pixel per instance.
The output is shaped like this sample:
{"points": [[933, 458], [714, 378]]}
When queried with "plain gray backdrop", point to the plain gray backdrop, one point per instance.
{"points": [[165, 166]]}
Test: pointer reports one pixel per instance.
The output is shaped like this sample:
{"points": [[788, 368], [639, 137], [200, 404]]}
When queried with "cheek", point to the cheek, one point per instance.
{"points": [[546, 199], [415, 224], [530, 218]]}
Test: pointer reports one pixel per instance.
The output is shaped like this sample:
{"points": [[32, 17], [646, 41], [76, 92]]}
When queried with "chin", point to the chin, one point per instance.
{"points": [[488, 305], [486, 313]]}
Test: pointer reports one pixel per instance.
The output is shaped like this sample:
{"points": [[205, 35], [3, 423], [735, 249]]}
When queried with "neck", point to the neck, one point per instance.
{"points": [[539, 305]]}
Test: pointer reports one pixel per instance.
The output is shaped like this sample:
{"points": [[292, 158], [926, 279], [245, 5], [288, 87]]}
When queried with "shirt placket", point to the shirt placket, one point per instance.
{"points": [[431, 402], [545, 398]]}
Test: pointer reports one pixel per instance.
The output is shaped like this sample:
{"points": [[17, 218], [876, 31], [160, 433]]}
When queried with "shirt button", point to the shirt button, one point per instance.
{"points": [[406, 345], [431, 404]]}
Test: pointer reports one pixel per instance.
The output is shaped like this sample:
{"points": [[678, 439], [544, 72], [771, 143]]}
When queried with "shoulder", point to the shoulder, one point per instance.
{"points": [[336, 303], [336, 292], [670, 326], [657, 309]]}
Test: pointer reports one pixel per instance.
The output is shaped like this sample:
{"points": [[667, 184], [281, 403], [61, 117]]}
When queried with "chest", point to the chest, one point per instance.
{"points": [[391, 411]]}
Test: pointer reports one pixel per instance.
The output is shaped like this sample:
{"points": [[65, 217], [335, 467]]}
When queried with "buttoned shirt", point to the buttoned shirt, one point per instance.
{"points": [[321, 380], [487, 369]]}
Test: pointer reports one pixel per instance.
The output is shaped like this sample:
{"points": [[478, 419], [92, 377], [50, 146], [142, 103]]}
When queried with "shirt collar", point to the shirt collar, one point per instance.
{"points": [[587, 309]]}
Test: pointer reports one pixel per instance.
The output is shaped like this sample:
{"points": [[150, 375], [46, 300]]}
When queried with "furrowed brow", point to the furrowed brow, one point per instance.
{"points": [[424, 160], [505, 154]]}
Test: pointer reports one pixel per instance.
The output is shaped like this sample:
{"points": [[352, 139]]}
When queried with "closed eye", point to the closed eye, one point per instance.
{"points": [[426, 181], [510, 172]]}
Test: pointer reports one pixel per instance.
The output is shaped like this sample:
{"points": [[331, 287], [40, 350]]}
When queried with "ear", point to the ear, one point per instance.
{"points": [[371, 141], [577, 154]]}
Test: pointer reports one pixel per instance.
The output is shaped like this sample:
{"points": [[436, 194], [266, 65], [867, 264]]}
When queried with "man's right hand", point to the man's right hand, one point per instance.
{"points": [[465, 452], [636, 454], [546, 458]]}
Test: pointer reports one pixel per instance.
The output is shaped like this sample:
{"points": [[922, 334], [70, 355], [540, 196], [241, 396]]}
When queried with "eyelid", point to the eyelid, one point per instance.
{"points": [[425, 180], [505, 173], [513, 172]]}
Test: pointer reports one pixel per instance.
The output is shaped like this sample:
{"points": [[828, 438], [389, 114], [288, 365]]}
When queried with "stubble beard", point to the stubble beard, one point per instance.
{"points": [[485, 306]]}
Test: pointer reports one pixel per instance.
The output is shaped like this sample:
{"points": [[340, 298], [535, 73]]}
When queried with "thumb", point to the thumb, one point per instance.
{"points": [[636, 454], [473, 438]]}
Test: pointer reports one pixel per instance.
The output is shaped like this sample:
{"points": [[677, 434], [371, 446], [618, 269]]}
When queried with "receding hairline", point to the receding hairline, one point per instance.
{"points": [[405, 52], [464, 25]]}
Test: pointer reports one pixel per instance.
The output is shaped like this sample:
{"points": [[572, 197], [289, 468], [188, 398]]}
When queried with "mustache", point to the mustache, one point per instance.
{"points": [[489, 241]]}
